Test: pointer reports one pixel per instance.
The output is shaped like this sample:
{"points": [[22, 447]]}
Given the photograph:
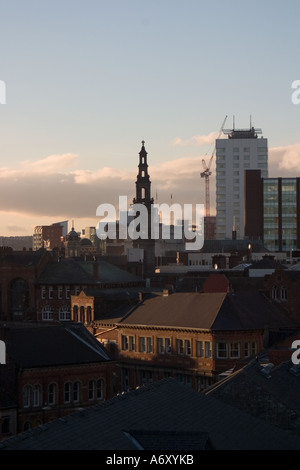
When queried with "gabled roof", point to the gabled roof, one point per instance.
{"points": [[167, 408], [36, 345], [208, 311], [73, 271]]}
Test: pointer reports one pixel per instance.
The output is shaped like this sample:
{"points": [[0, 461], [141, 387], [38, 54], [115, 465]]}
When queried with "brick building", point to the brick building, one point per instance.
{"points": [[283, 287], [192, 337], [37, 286], [50, 371], [19, 271], [61, 280]]}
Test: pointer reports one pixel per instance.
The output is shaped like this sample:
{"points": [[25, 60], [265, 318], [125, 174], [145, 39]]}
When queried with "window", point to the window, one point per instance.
{"points": [[142, 344], [128, 343], [131, 343], [199, 349], [222, 351], [250, 348], [207, 349], [283, 293], [52, 394], [275, 293], [50, 292], [179, 344], [76, 389], [184, 347], [59, 292], [187, 347], [67, 292], [91, 389], [36, 395], [27, 392], [47, 313], [125, 343], [67, 392], [64, 313], [168, 348], [164, 346], [77, 290], [43, 292], [234, 350], [100, 389], [149, 345]]}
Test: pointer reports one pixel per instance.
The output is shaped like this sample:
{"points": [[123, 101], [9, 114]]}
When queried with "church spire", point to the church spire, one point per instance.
{"points": [[143, 183]]}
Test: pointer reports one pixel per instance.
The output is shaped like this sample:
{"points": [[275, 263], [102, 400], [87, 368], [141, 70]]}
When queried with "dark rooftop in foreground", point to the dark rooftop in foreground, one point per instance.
{"points": [[37, 345], [179, 416]]}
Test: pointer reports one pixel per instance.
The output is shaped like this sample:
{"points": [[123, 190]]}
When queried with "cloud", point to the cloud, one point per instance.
{"points": [[284, 161], [55, 188], [196, 140], [51, 164], [15, 228]]}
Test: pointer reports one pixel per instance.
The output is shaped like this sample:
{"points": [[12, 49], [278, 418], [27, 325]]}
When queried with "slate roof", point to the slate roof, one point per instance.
{"points": [[72, 271], [272, 394], [208, 311], [162, 408], [23, 258], [52, 345]]}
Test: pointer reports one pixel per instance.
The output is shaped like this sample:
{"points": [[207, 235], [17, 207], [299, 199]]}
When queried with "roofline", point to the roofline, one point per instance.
{"points": [[162, 327]]}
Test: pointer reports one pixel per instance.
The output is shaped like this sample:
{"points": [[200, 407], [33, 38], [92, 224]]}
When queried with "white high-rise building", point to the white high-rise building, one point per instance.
{"points": [[242, 149]]}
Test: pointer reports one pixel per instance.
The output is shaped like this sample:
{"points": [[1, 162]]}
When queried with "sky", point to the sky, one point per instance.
{"points": [[83, 82]]}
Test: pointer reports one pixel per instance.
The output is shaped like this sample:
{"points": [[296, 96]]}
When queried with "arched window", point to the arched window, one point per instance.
{"points": [[275, 293], [18, 299], [67, 392], [100, 389], [76, 391], [82, 319], [52, 392], [89, 314], [75, 313], [92, 389], [64, 313], [27, 396], [47, 313], [36, 396]]}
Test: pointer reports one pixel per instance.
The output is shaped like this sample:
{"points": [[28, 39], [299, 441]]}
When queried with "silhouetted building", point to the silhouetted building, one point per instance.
{"points": [[143, 196]]}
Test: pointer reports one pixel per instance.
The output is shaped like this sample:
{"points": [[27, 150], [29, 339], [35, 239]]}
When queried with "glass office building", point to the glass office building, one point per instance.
{"points": [[280, 213]]}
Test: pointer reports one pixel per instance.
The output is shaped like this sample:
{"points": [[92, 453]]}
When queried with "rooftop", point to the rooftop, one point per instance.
{"points": [[145, 419], [37, 345], [208, 311]]}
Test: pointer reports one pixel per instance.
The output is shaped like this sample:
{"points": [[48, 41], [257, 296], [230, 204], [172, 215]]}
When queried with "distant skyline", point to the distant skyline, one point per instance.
{"points": [[87, 81]]}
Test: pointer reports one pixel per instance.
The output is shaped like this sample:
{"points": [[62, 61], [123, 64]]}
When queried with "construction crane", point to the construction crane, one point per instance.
{"points": [[206, 174]]}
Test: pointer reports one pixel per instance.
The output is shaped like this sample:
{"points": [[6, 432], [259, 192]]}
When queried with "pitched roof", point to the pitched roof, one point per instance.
{"points": [[36, 345], [190, 310], [72, 271], [163, 408], [266, 391], [208, 311]]}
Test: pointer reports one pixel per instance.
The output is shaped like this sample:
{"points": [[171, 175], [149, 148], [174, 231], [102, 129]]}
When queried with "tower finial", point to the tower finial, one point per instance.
{"points": [[143, 142]]}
